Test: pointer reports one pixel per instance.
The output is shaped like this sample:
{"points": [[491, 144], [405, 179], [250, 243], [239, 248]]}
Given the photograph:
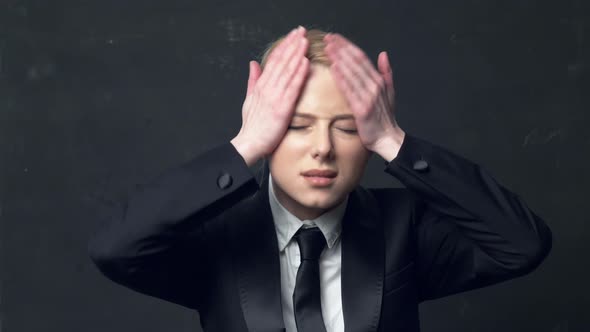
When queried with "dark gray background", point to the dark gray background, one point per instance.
{"points": [[97, 97]]}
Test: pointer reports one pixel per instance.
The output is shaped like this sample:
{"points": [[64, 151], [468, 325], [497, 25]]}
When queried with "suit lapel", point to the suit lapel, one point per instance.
{"points": [[363, 259], [257, 262], [257, 265]]}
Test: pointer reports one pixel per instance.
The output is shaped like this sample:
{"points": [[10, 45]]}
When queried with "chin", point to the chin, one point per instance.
{"points": [[319, 201]]}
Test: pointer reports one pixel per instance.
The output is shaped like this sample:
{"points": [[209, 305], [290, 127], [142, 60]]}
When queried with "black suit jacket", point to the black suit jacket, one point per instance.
{"points": [[201, 235]]}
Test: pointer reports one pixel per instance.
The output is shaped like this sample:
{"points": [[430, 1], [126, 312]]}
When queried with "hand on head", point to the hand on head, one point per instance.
{"points": [[369, 91], [271, 96]]}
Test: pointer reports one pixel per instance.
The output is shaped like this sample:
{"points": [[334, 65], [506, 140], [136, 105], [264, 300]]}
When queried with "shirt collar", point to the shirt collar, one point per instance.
{"points": [[287, 224]]}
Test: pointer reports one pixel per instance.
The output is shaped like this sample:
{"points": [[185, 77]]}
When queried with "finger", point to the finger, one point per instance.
{"points": [[358, 69], [293, 90], [361, 85], [280, 48], [275, 56], [359, 63], [287, 72], [254, 75], [290, 52], [387, 74], [332, 50], [343, 82], [385, 68]]}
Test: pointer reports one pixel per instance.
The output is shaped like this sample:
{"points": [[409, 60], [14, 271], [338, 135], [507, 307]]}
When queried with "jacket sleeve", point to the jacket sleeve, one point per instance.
{"points": [[470, 230], [156, 243]]}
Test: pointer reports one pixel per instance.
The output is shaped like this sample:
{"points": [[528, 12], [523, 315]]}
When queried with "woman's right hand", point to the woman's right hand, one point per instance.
{"points": [[270, 98]]}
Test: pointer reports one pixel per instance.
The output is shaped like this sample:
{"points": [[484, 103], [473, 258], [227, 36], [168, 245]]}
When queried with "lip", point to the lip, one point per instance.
{"points": [[325, 173], [320, 181]]}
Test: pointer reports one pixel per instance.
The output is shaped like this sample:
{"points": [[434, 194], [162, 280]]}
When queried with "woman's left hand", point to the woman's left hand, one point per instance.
{"points": [[370, 94]]}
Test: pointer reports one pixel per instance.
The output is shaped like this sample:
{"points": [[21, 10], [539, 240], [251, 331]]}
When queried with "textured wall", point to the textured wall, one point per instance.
{"points": [[97, 97]]}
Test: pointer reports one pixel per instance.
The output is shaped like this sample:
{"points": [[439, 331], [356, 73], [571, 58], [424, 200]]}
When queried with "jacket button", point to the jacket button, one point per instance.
{"points": [[224, 181], [421, 165]]}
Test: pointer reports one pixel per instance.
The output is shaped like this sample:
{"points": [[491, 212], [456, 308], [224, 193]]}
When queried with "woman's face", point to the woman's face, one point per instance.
{"points": [[322, 135]]}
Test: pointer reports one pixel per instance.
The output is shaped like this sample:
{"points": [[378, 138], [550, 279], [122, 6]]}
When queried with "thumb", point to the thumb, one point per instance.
{"points": [[386, 72], [254, 74]]}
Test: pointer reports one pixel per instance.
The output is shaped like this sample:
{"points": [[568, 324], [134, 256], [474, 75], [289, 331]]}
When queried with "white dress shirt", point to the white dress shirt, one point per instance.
{"points": [[286, 225]]}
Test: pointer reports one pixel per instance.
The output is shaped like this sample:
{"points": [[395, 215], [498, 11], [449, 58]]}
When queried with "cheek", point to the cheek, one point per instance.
{"points": [[290, 148], [286, 156], [354, 160], [354, 151], [294, 142]]}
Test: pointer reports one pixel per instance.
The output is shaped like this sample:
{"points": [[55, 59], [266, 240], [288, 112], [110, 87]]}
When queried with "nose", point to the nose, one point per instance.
{"points": [[322, 146]]}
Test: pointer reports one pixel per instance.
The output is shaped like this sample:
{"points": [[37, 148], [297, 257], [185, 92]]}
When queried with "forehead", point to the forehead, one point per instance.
{"points": [[321, 97]]}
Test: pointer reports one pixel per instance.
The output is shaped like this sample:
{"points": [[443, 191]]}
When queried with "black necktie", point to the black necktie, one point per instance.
{"points": [[306, 297]]}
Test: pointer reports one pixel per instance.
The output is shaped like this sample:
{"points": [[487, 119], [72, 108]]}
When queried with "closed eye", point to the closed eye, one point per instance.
{"points": [[348, 131]]}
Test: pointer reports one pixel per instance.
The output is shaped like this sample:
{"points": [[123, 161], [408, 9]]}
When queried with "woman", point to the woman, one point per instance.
{"points": [[333, 136], [309, 249]]}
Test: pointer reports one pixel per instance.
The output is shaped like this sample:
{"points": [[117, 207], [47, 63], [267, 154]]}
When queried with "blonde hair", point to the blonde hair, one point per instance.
{"points": [[316, 55], [315, 52]]}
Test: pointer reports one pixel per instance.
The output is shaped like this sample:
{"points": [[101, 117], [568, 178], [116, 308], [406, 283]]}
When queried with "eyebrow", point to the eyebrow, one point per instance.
{"points": [[337, 117]]}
